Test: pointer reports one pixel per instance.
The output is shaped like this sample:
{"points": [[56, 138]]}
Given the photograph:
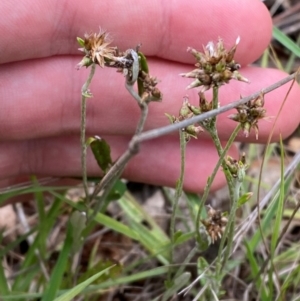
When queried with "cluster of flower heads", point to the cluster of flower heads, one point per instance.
{"points": [[214, 67], [249, 113], [215, 224], [97, 49], [185, 112]]}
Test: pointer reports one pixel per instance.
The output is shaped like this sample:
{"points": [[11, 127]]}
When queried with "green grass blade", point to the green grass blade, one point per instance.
{"points": [[60, 268], [4, 289], [151, 236], [105, 285], [286, 41], [80, 287], [254, 267], [128, 279], [292, 59], [102, 219], [280, 206], [40, 205]]}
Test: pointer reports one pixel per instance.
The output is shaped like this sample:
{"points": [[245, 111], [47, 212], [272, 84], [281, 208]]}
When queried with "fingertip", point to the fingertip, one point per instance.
{"points": [[202, 21]]}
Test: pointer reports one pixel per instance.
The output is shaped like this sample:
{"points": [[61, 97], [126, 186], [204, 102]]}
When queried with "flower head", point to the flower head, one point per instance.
{"points": [[150, 91], [96, 49], [214, 67], [215, 224], [249, 114], [185, 112], [237, 168]]}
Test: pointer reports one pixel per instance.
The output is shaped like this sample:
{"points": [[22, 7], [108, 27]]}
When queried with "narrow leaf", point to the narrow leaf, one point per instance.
{"points": [[60, 268], [78, 223], [80, 287], [143, 67], [286, 41], [80, 41]]}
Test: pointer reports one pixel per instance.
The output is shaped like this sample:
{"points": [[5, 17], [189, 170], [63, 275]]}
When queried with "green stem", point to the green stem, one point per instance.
{"points": [[214, 135], [215, 105], [84, 93], [114, 173], [212, 129], [178, 192], [229, 231], [212, 177]]}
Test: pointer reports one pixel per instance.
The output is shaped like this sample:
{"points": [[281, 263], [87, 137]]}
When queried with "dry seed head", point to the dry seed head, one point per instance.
{"points": [[151, 92], [215, 224], [96, 48], [249, 114], [215, 66]]}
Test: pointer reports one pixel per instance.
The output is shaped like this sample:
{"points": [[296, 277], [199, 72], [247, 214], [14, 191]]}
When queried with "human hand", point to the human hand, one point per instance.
{"points": [[40, 88]]}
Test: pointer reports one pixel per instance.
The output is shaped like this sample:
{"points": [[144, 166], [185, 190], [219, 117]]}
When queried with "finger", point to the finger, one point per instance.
{"points": [[165, 28], [157, 163], [53, 106]]}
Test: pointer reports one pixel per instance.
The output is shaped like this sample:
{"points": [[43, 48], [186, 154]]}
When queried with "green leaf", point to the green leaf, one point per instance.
{"points": [[143, 67], [80, 41], [150, 235], [170, 117], [280, 207], [117, 191], [177, 235], [80, 287], [113, 224], [4, 288], [101, 151], [286, 41], [176, 285], [78, 223], [60, 267], [244, 199]]}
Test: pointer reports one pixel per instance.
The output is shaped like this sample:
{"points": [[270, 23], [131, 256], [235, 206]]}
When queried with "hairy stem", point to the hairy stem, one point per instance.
{"points": [[179, 188], [229, 231], [84, 96], [212, 177], [109, 179]]}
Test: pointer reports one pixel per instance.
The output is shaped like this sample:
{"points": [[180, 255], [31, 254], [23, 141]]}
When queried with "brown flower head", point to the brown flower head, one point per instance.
{"points": [[215, 224], [249, 114], [150, 91], [237, 168], [96, 49], [215, 66]]}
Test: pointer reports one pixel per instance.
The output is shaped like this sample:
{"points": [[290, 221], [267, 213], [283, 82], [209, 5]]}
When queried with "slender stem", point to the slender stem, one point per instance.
{"points": [[133, 145], [143, 106], [215, 105], [179, 187], [229, 231], [214, 135], [84, 94], [116, 170], [123, 160], [188, 258], [212, 177]]}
